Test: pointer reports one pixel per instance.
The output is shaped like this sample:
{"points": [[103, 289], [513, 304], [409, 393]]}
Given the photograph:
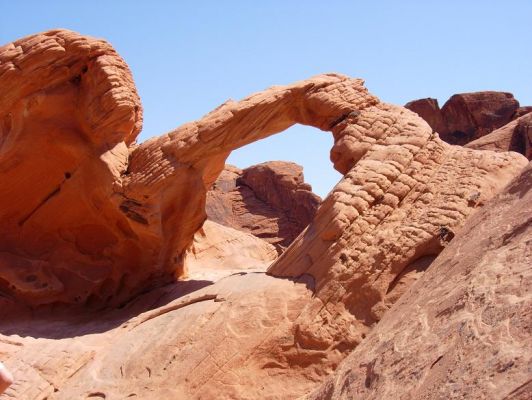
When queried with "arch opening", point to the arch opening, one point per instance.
{"points": [[301, 144]]}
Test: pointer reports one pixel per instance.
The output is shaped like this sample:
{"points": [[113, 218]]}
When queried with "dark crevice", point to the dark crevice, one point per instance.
{"points": [[76, 80], [52, 194], [436, 362], [132, 209], [337, 121]]}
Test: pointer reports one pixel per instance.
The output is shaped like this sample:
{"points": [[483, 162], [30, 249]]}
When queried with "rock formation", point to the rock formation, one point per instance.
{"points": [[270, 200], [514, 136], [522, 111], [429, 110], [463, 330], [218, 250], [68, 112], [97, 220], [468, 116]]}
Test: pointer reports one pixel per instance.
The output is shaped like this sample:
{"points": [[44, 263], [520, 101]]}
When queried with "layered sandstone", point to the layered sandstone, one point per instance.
{"points": [[270, 201], [405, 194], [463, 330]]}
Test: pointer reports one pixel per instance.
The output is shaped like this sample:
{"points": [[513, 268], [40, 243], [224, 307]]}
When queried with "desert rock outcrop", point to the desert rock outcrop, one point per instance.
{"points": [[124, 218], [429, 110], [468, 116], [523, 111], [270, 201], [463, 330], [68, 112], [514, 136], [218, 250]]}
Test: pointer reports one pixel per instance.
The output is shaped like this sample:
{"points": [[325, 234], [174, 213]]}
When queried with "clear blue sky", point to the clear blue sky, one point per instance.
{"points": [[188, 57]]}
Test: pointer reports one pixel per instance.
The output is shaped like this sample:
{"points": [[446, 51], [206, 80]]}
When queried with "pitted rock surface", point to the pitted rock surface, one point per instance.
{"points": [[463, 330], [124, 219]]}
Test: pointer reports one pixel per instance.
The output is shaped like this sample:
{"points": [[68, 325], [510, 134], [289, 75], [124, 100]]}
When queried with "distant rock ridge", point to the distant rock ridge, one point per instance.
{"points": [[469, 116]]}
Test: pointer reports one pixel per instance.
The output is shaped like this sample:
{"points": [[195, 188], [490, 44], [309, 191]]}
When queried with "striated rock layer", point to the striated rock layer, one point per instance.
{"points": [[463, 330], [125, 219], [270, 200]]}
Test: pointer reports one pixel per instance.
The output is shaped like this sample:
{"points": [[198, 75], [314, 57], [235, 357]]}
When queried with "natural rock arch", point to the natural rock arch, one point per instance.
{"points": [[138, 207]]}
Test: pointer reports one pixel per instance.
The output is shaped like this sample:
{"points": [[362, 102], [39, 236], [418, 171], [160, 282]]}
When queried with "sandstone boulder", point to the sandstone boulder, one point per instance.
{"points": [[522, 111], [514, 136], [469, 116], [429, 110], [270, 200], [68, 112], [463, 330]]}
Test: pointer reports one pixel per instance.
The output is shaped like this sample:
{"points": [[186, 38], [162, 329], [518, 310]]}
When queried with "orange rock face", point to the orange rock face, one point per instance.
{"points": [[270, 200], [429, 110], [463, 330], [68, 111], [101, 219]]}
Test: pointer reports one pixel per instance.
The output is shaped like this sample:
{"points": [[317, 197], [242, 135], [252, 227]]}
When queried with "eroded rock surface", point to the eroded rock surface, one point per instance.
{"points": [[463, 330], [270, 201], [514, 136], [468, 116], [189, 340], [68, 112], [405, 194], [523, 111], [218, 250]]}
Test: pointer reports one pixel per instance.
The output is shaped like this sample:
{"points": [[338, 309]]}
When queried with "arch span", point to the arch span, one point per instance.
{"points": [[96, 218]]}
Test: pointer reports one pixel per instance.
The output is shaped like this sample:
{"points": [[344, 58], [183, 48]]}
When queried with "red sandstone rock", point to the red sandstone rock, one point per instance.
{"points": [[218, 251], [404, 195], [469, 116], [514, 136], [463, 330], [68, 111], [522, 111], [429, 110], [269, 200]]}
